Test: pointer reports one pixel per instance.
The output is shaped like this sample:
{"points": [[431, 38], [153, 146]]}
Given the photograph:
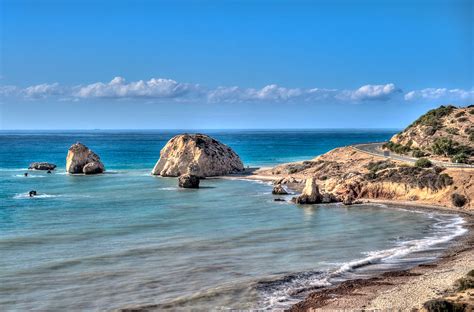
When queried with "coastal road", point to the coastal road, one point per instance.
{"points": [[376, 150]]}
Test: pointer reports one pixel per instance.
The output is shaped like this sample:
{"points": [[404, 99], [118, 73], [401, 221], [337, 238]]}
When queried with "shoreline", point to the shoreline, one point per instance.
{"points": [[403, 290], [400, 289]]}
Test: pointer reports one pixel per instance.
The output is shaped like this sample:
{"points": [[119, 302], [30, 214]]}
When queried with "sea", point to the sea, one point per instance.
{"points": [[126, 239]]}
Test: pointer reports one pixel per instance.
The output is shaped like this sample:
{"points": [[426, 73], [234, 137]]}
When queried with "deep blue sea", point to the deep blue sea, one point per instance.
{"points": [[129, 239]]}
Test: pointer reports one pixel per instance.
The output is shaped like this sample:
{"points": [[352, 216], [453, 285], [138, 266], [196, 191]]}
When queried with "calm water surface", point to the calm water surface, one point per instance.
{"points": [[127, 239]]}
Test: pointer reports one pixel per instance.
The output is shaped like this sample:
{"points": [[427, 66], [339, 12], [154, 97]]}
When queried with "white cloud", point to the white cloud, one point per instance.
{"points": [[119, 88], [9, 91], [374, 92], [42, 90], [160, 88], [441, 93]]}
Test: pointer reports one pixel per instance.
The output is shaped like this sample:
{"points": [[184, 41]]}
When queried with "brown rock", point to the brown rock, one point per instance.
{"points": [[79, 156], [188, 181]]}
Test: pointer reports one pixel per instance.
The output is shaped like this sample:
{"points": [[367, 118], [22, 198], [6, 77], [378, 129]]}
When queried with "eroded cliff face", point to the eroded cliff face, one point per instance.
{"points": [[351, 175], [196, 154]]}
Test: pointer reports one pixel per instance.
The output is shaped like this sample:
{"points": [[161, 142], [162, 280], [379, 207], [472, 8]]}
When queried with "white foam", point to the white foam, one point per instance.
{"points": [[27, 196], [171, 188], [446, 228], [29, 176], [13, 169]]}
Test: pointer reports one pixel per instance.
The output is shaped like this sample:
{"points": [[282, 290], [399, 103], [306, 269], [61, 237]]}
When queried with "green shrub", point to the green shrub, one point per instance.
{"points": [[419, 153], [462, 119], [423, 163], [471, 112], [459, 114], [470, 273], [397, 148], [444, 146], [452, 131], [460, 158], [380, 165], [432, 117], [430, 130], [465, 283], [441, 305], [458, 200]]}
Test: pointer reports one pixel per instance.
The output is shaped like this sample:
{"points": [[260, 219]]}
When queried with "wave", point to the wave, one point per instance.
{"points": [[27, 196], [13, 169], [30, 176], [170, 188], [43, 195], [286, 291]]}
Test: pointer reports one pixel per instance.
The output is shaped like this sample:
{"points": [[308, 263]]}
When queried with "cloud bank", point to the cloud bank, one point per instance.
{"points": [[168, 89]]}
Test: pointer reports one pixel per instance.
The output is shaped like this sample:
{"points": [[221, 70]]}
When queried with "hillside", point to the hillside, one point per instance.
{"points": [[350, 175], [445, 133]]}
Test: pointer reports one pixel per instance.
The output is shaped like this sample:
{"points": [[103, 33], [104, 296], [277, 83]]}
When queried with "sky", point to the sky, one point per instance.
{"points": [[231, 64]]}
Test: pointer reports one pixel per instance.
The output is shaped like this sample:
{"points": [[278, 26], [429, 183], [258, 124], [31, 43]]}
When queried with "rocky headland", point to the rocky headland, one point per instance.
{"points": [[81, 159], [349, 175], [197, 155]]}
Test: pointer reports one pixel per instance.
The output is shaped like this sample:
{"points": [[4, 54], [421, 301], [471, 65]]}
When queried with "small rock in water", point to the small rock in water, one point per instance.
{"points": [[279, 199], [278, 189], [49, 171], [188, 181], [32, 193], [26, 174], [41, 166]]}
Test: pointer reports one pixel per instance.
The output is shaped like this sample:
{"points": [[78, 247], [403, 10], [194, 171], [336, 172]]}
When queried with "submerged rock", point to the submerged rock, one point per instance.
{"points": [[310, 194], [41, 166], [80, 159], [188, 181], [196, 154], [32, 193]]}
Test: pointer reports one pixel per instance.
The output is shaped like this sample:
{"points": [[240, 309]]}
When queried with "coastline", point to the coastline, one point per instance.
{"points": [[400, 289]]}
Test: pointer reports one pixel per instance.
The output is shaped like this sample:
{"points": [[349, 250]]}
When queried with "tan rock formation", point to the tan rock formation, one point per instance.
{"points": [[196, 154], [80, 159], [310, 194]]}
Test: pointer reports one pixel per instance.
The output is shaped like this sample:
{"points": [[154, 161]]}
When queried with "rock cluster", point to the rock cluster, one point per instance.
{"points": [[80, 159], [196, 154], [41, 166]]}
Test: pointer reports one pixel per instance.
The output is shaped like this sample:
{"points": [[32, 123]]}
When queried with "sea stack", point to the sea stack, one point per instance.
{"points": [[198, 155], [310, 193], [80, 159]]}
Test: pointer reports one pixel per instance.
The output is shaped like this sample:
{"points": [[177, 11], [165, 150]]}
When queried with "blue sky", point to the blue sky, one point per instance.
{"points": [[231, 64]]}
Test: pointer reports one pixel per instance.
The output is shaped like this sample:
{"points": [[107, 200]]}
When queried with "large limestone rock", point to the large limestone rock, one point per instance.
{"points": [[80, 159], [310, 194], [41, 166], [188, 181], [196, 154]]}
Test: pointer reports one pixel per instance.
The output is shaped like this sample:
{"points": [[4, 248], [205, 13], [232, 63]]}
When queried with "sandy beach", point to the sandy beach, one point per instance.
{"points": [[401, 290], [404, 290]]}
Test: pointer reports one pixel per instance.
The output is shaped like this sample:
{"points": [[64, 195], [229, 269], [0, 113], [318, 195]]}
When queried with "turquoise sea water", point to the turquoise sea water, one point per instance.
{"points": [[127, 239]]}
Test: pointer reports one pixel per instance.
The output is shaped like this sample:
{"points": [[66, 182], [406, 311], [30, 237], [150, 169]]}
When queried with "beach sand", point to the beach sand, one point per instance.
{"points": [[404, 290]]}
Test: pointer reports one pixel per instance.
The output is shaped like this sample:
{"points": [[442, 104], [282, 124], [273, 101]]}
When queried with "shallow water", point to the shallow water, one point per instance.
{"points": [[127, 239]]}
